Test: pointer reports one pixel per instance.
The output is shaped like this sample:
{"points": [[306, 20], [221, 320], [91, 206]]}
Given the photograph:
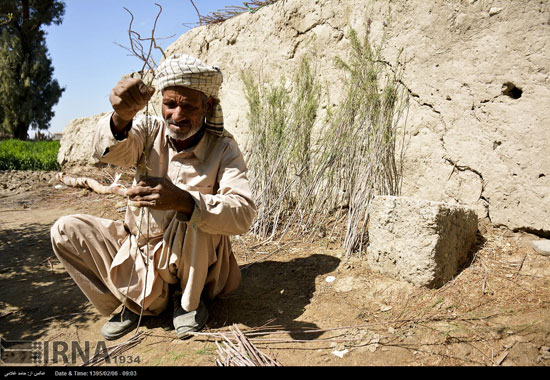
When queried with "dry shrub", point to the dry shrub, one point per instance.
{"points": [[280, 128], [303, 180]]}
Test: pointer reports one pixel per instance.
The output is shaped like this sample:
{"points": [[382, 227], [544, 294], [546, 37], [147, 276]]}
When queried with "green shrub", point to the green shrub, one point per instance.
{"points": [[279, 150], [28, 155], [303, 181]]}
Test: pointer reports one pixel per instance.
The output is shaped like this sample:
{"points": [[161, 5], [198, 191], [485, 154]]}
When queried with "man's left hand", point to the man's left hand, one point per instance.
{"points": [[160, 194]]}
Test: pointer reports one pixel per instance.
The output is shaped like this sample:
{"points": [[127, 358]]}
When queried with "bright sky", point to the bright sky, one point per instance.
{"points": [[84, 51]]}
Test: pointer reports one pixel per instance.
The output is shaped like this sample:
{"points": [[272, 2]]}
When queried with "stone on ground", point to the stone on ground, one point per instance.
{"points": [[541, 246], [423, 242]]}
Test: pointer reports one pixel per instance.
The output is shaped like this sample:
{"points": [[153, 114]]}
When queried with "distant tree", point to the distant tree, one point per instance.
{"points": [[27, 90]]}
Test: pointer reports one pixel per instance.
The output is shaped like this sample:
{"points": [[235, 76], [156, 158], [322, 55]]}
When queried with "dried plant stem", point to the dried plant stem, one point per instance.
{"points": [[144, 223], [269, 254], [421, 320], [136, 47], [198, 13], [68, 315], [91, 184], [237, 350], [232, 10], [116, 349]]}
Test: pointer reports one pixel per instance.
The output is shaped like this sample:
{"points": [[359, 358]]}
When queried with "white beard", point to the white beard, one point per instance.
{"points": [[181, 136]]}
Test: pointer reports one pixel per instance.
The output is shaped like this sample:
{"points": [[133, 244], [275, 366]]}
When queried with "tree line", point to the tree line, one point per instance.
{"points": [[28, 91]]}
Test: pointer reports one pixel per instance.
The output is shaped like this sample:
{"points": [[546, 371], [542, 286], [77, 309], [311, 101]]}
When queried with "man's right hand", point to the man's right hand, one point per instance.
{"points": [[128, 97]]}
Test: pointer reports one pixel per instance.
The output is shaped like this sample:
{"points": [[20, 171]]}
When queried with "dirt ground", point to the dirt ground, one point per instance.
{"points": [[303, 304]]}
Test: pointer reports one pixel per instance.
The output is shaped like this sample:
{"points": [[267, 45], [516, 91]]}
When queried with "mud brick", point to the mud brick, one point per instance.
{"points": [[423, 242]]}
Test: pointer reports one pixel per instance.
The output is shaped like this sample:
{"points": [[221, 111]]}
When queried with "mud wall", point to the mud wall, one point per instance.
{"points": [[478, 125]]}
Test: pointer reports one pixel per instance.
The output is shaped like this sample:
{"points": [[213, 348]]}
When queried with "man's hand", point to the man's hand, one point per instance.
{"points": [[128, 97], [161, 194]]}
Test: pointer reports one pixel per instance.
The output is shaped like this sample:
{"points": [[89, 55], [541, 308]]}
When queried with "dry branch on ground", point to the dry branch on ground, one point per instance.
{"points": [[92, 184]]}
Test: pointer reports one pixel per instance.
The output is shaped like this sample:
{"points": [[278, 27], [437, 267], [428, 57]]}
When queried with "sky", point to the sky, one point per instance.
{"points": [[86, 58]]}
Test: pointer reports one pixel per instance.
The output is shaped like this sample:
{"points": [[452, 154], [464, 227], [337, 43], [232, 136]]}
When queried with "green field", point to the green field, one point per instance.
{"points": [[28, 155]]}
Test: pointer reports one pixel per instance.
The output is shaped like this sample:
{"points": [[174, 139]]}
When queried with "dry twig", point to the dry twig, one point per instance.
{"points": [[92, 184], [241, 352], [146, 56], [68, 315], [231, 11], [136, 47], [116, 350]]}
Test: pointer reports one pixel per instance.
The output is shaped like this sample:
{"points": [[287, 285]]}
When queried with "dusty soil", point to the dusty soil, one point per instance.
{"points": [[495, 312]]}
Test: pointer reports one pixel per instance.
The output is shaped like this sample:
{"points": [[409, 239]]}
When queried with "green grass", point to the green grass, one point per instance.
{"points": [[28, 155]]}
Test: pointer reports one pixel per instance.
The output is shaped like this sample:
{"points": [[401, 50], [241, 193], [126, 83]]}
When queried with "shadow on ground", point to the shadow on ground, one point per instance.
{"points": [[274, 292], [32, 292]]}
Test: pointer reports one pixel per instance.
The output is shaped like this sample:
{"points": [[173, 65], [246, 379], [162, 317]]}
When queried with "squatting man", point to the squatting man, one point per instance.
{"points": [[191, 177]]}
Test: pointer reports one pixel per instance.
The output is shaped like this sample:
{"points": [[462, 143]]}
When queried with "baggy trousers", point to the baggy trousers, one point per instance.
{"points": [[87, 245]]}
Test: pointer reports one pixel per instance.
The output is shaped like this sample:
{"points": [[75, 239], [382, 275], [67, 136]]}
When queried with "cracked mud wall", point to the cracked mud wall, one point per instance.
{"points": [[469, 141], [478, 126], [493, 143]]}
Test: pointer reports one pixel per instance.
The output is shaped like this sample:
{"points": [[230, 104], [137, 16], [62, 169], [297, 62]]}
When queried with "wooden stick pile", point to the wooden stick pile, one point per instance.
{"points": [[240, 352]]}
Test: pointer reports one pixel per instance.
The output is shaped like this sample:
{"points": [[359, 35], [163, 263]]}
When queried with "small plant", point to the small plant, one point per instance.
{"points": [[176, 356], [147, 75]]}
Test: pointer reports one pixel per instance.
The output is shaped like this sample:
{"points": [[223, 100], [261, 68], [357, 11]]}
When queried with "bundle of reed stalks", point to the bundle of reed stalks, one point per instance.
{"points": [[237, 351]]}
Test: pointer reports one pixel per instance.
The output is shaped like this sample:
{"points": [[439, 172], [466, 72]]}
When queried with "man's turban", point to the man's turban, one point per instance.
{"points": [[186, 71]]}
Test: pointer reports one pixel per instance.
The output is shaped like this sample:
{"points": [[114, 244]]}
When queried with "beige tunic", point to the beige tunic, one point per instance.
{"points": [[165, 246]]}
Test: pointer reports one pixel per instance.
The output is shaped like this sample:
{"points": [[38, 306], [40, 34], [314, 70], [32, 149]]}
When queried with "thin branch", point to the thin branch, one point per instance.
{"points": [[92, 184], [230, 11], [136, 47], [116, 350], [198, 13], [241, 352]]}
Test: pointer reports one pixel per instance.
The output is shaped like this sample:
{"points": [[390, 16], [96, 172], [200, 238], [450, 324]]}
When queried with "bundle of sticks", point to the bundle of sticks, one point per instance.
{"points": [[239, 351]]}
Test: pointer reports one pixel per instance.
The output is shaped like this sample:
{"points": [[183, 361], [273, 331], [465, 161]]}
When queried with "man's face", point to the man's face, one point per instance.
{"points": [[184, 109]]}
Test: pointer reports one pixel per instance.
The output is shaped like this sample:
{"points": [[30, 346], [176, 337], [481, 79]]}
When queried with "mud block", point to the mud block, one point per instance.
{"points": [[423, 242]]}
